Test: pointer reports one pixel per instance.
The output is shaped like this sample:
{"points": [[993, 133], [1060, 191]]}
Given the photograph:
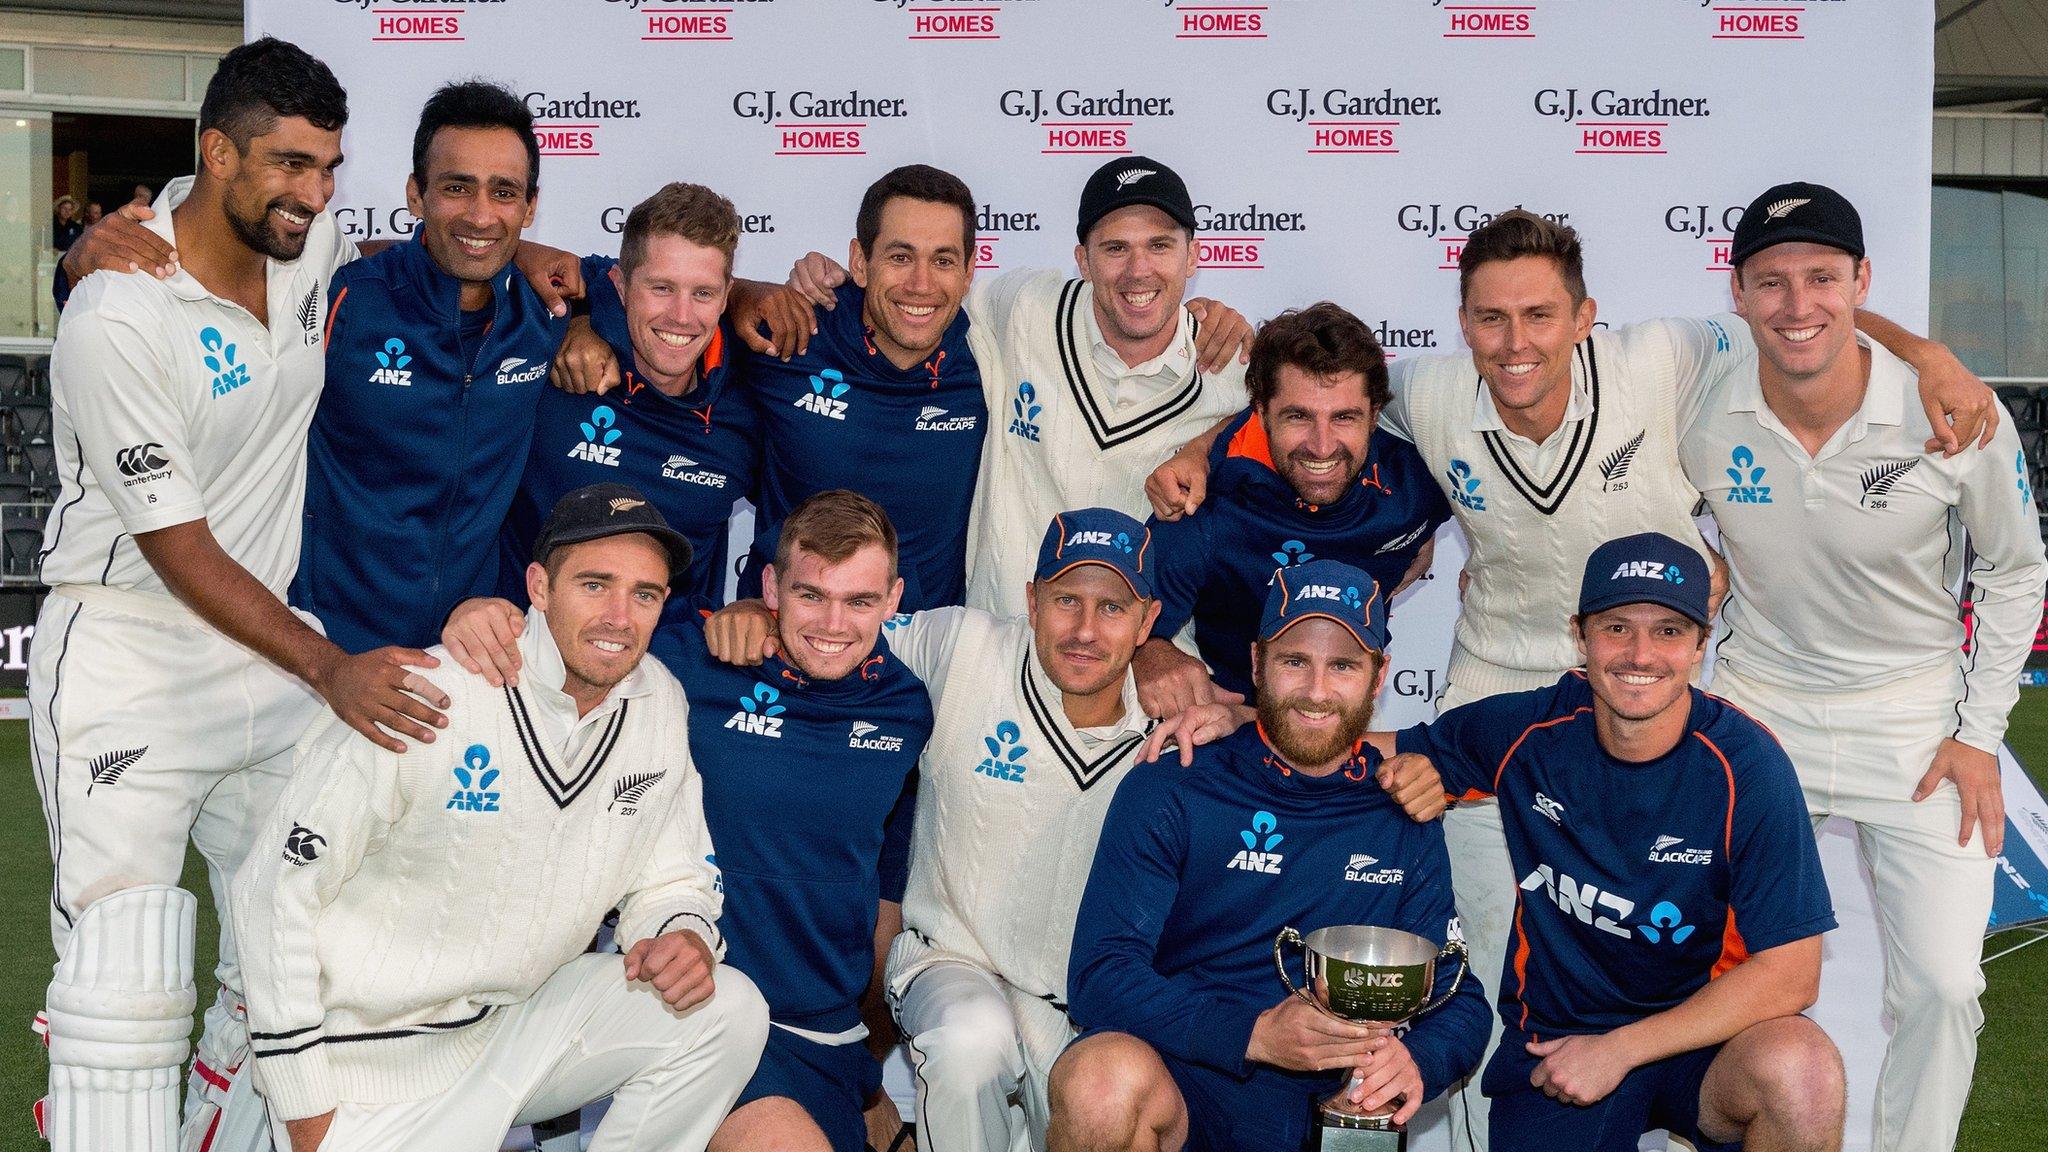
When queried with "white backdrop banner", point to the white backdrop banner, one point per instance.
{"points": [[1336, 149]]}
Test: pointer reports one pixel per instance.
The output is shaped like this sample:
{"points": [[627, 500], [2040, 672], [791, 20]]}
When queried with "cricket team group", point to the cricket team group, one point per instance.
{"points": [[395, 581]]}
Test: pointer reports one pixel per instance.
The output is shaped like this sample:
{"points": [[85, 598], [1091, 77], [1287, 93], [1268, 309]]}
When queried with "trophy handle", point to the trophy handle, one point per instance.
{"points": [[1450, 948], [1290, 936]]}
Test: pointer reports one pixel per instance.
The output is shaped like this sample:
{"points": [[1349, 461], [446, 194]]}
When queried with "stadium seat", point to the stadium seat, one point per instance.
{"points": [[17, 375], [19, 546], [41, 457], [2023, 402], [30, 417]]}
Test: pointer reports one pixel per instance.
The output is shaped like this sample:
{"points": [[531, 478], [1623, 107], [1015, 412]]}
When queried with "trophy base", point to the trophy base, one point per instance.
{"points": [[1331, 1138]]}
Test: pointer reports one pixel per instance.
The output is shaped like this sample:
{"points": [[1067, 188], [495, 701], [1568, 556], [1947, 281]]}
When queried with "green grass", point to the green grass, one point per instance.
{"points": [[2008, 1111]]}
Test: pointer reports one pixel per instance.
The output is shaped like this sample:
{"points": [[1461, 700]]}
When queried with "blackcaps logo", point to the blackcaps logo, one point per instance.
{"points": [[302, 846], [1879, 478], [626, 504], [309, 314]]}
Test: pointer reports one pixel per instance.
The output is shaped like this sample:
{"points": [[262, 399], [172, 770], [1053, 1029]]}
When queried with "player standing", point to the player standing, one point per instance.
{"points": [[1849, 645], [677, 427], [416, 921], [172, 681], [1669, 901], [1303, 473], [1192, 1042], [437, 354]]}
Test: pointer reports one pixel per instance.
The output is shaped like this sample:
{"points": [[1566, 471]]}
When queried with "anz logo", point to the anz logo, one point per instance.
{"points": [[1748, 475], [824, 397], [600, 438], [1465, 486], [391, 365], [473, 782], [1584, 902], [1024, 412], [759, 714], [1005, 754], [1260, 839]]}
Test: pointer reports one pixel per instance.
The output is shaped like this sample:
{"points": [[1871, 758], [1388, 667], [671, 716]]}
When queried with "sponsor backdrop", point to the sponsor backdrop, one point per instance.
{"points": [[1336, 149]]}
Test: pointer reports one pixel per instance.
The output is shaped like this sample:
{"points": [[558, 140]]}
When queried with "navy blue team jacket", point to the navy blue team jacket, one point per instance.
{"points": [[1215, 565], [1638, 883], [691, 457], [1199, 868], [800, 776], [415, 451], [842, 416]]}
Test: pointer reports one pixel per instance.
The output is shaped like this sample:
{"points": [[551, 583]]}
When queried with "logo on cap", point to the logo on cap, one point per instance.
{"points": [[1648, 570], [1130, 176], [1779, 209], [625, 504]]}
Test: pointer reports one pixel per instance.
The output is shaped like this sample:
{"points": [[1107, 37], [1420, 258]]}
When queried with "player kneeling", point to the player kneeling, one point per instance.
{"points": [[1669, 900], [415, 922], [1194, 1043]]}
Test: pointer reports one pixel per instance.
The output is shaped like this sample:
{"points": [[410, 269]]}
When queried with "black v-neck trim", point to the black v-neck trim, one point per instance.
{"points": [[1086, 773], [1547, 498], [563, 792], [1068, 328]]}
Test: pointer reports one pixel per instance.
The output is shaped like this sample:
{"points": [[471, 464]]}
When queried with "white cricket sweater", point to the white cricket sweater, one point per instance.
{"points": [[394, 902], [1532, 516], [1062, 433], [1010, 800]]}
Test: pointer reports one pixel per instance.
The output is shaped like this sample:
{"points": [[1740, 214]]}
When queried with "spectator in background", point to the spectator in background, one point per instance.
{"points": [[93, 212], [65, 225]]}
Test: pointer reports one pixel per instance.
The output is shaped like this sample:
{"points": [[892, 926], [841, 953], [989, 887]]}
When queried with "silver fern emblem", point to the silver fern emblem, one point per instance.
{"points": [[309, 309], [1779, 209], [1879, 478], [1615, 466], [107, 767], [630, 789]]}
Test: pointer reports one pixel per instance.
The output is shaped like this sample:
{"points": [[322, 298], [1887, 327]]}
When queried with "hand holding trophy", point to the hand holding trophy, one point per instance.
{"points": [[1360, 973]]}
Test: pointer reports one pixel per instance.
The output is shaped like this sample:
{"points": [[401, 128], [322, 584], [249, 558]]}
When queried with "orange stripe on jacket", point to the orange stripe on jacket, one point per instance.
{"points": [[1251, 443], [1734, 950], [333, 310]]}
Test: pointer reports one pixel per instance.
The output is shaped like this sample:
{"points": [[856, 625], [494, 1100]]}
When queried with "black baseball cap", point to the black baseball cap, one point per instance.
{"points": [[1797, 211], [1130, 180], [596, 511], [1647, 568]]}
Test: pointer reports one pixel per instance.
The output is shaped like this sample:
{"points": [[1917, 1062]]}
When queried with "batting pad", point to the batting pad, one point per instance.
{"points": [[120, 1017]]}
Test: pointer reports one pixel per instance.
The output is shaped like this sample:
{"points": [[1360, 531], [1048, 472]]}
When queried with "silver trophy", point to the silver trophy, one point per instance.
{"points": [[1364, 974]]}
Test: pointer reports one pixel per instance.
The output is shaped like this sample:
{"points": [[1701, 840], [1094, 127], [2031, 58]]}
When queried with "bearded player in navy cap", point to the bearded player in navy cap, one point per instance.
{"points": [[1669, 903], [1193, 1042]]}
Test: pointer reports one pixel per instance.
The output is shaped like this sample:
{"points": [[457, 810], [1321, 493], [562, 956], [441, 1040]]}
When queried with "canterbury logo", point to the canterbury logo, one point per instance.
{"points": [[1130, 176], [141, 459], [1779, 209], [625, 504]]}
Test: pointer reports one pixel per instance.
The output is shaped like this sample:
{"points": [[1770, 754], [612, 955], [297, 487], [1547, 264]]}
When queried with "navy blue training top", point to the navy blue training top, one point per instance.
{"points": [[692, 456], [799, 777], [1199, 868], [1215, 565], [1638, 883], [842, 416], [415, 449]]}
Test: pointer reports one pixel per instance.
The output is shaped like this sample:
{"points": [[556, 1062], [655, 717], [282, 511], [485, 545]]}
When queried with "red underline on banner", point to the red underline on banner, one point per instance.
{"points": [[1228, 267], [997, 36], [808, 124], [1621, 152], [1766, 11], [1220, 7], [862, 152], [1745, 36], [551, 124], [422, 39], [1354, 123], [1489, 35], [695, 38], [1621, 124], [1489, 7], [545, 152], [947, 11], [1240, 238], [1357, 151], [415, 11], [1084, 151], [1086, 124], [1219, 36]]}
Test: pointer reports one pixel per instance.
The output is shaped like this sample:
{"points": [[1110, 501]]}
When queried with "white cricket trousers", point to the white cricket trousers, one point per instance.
{"points": [[982, 1052], [148, 728], [1859, 756], [585, 1034], [1483, 886]]}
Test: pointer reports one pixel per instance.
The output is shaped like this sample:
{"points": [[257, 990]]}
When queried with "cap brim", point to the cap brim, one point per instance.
{"points": [[1624, 600], [1173, 212], [1144, 593], [1795, 235], [1337, 620], [671, 541]]}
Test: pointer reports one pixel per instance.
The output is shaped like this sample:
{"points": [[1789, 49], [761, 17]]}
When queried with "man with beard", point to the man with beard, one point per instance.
{"points": [[1191, 1042], [173, 680], [1669, 901], [437, 355], [1847, 643], [802, 761], [1092, 381], [417, 923], [1302, 473]]}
